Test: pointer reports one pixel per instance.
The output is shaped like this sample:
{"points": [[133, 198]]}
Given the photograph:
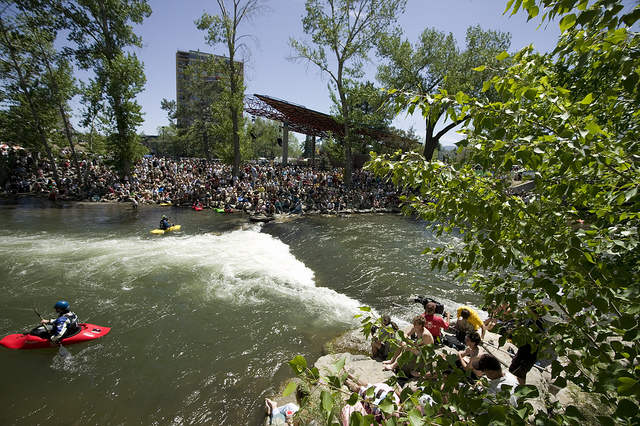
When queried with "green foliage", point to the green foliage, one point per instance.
{"points": [[369, 109], [264, 140], [342, 34], [433, 64], [223, 28], [441, 401], [99, 32], [194, 114], [572, 120], [37, 80]]}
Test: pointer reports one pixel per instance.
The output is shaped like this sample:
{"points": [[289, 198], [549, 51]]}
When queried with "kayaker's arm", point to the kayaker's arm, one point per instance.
{"points": [[63, 329], [59, 328]]}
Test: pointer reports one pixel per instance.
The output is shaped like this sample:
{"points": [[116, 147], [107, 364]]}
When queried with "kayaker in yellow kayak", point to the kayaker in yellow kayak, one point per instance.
{"points": [[164, 223]]}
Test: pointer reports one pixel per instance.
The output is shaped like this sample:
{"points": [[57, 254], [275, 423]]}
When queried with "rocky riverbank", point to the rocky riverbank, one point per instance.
{"points": [[356, 350]]}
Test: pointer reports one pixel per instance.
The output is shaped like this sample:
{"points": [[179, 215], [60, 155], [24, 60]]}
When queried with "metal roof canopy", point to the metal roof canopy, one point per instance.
{"points": [[304, 120]]}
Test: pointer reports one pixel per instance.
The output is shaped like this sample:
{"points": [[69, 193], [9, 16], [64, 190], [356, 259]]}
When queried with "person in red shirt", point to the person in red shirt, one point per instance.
{"points": [[435, 323]]}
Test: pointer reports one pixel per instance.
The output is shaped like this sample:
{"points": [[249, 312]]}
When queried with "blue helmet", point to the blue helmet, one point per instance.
{"points": [[61, 305]]}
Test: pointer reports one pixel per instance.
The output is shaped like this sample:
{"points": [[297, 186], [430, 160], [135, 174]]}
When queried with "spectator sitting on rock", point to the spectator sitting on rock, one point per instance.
{"points": [[473, 352], [434, 323], [462, 326], [379, 345], [491, 367], [417, 335]]}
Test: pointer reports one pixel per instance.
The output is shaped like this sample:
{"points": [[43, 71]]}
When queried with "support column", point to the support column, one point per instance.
{"points": [[285, 142], [313, 152]]}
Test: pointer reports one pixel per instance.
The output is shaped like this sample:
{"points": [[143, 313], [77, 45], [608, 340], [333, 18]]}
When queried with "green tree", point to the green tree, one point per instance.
{"points": [[436, 63], [194, 114], [264, 135], [101, 31], [59, 74], [370, 110], [92, 117], [578, 134], [28, 87], [224, 29], [579, 138], [346, 30]]}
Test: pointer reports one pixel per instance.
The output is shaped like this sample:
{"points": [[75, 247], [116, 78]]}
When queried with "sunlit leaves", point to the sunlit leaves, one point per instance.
{"points": [[298, 364], [578, 138], [291, 387], [569, 124]]}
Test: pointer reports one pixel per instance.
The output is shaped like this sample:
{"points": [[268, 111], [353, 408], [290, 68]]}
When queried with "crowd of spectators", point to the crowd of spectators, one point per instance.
{"points": [[259, 188]]}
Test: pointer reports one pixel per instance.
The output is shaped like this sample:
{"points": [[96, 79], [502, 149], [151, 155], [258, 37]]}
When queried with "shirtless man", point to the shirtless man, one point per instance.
{"points": [[422, 337]]}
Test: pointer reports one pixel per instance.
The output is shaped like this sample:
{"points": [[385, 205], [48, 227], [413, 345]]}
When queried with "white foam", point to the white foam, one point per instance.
{"points": [[242, 267]]}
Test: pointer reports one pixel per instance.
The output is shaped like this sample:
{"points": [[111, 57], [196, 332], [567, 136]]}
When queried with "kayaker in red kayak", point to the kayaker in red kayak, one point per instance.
{"points": [[65, 324]]}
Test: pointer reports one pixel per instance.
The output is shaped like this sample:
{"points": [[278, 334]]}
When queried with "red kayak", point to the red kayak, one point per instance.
{"points": [[39, 337]]}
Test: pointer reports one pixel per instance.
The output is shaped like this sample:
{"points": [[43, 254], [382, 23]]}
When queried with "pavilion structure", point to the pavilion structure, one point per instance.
{"points": [[300, 119]]}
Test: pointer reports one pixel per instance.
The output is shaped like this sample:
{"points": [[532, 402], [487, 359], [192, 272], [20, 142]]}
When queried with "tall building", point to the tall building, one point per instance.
{"points": [[184, 59]]}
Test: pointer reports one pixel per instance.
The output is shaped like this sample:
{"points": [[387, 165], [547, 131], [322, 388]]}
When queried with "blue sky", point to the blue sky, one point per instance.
{"points": [[171, 27]]}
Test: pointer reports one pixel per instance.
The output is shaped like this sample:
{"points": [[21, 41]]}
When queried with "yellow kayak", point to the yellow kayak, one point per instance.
{"points": [[162, 231]]}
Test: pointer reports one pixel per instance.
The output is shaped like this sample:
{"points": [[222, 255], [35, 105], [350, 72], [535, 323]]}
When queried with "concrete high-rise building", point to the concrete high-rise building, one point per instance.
{"points": [[184, 59]]}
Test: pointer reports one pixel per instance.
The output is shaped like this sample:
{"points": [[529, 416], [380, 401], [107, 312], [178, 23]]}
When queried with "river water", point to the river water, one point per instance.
{"points": [[203, 320]]}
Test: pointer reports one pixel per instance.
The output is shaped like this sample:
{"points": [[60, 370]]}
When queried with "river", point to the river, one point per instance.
{"points": [[203, 320]]}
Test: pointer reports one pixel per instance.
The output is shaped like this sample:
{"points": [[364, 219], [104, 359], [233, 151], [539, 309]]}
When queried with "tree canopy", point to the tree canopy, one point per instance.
{"points": [[570, 245], [98, 34], [436, 63], [342, 33], [224, 28]]}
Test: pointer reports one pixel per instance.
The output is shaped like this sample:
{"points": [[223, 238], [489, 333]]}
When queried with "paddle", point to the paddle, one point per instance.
{"points": [[63, 352]]}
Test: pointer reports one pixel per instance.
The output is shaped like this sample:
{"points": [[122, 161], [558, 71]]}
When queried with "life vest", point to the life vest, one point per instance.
{"points": [[73, 322], [66, 323]]}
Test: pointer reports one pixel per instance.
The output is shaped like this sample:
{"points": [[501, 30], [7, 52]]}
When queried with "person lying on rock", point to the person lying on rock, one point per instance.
{"points": [[371, 395]]}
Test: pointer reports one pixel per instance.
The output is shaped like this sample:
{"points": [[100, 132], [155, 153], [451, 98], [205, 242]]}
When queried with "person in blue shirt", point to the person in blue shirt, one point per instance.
{"points": [[164, 223], [65, 324]]}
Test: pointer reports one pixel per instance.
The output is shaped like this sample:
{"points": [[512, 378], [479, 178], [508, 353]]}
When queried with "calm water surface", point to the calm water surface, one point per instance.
{"points": [[203, 320]]}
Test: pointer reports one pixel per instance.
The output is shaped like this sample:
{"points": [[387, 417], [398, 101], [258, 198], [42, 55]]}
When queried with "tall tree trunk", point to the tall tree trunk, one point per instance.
{"points": [[65, 121], [234, 112], [27, 93], [430, 142], [348, 156], [121, 125], [205, 143]]}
